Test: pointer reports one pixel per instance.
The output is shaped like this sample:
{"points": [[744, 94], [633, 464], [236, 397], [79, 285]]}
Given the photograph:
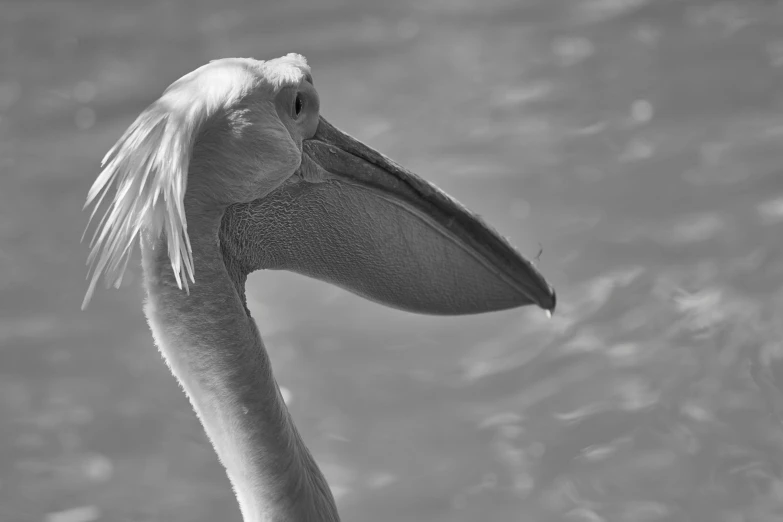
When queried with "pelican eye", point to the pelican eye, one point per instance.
{"points": [[298, 105]]}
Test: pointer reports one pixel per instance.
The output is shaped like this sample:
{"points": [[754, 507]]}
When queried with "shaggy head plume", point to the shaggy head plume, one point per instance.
{"points": [[148, 165]]}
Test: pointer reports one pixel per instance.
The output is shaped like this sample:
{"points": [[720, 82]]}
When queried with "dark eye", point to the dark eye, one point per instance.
{"points": [[298, 105]]}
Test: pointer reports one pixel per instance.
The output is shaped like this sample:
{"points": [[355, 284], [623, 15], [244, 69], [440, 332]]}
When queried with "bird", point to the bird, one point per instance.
{"points": [[232, 170]]}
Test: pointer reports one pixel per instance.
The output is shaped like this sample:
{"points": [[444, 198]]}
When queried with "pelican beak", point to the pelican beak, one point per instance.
{"points": [[354, 218]]}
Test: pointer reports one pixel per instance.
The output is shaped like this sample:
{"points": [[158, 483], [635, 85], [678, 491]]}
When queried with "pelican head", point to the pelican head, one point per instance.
{"points": [[245, 138]]}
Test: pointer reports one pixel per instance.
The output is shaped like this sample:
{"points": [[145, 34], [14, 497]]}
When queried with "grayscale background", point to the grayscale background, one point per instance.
{"points": [[639, 143]]}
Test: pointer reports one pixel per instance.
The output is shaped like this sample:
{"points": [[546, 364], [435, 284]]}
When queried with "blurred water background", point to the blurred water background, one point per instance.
{"points": [[639, 142]]}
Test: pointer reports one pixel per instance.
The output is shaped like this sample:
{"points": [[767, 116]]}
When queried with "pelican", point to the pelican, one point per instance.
{"points": [[233, 170]]}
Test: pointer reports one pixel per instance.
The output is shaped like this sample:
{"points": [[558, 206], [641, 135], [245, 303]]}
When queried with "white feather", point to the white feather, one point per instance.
{"points": [[148, 168]]}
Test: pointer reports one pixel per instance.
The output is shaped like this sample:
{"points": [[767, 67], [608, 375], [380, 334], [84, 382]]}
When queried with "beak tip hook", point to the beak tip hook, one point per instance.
{"points": [[549, 310]]}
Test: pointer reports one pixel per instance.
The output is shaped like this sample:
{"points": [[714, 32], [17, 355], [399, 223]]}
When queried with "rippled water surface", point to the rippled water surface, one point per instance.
{"points": [[639, 143]]}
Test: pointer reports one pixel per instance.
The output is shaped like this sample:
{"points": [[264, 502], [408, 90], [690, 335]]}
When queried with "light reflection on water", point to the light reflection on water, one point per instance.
{"points": [[636, 142]]}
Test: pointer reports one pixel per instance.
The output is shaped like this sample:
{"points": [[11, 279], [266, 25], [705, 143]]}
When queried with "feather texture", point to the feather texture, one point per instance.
{"points": [[148, 169]]}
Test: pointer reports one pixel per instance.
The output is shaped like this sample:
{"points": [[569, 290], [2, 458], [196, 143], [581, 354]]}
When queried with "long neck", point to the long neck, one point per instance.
{"points": [[213, 347]]}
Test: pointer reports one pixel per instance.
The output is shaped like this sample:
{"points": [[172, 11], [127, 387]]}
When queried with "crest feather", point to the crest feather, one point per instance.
{"points": [[148, 167]]}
